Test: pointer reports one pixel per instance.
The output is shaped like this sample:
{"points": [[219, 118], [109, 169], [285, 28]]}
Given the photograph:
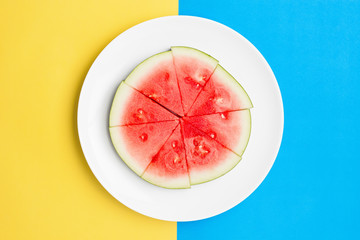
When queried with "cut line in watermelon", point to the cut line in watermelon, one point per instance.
{"points": [[220, 94], [155, 77], [230, 129], [168, 168], [193, 69], [132, 107], [206, 158], [137, 144], [157, 141]]}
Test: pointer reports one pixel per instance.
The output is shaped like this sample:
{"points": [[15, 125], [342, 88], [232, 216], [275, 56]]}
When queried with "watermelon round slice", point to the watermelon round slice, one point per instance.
{"points": [[206, 158], [156, 78], [231, 129], [168, 167], [132, 107], [138, 144], [221, 93], [162, 145], [193, 69]]}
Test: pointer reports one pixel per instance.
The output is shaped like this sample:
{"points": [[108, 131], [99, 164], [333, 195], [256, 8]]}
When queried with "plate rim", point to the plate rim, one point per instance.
{"points": [[80, 108]]}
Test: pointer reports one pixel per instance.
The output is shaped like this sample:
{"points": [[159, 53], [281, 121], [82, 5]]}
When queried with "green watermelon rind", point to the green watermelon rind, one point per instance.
{"points": [[163, 186], [122, 151], [234, 84], [189, 51], [146, 66], [116, 110], [222, 174], [217, 175]]}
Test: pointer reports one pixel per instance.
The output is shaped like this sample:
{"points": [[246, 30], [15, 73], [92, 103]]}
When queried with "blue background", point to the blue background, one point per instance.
{"points": [[313, 189]]}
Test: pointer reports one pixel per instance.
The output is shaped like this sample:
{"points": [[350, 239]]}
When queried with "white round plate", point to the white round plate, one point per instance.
{"points": [[235, 54]]}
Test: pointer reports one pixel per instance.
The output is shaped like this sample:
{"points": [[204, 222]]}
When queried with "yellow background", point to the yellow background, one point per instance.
{"points": [[47, 188]]}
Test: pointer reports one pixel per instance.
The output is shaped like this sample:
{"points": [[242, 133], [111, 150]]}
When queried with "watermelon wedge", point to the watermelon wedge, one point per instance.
{"points": [[155, 77], [206, 158], [168, 167], [137, 144], [230, 129], [193, 69], [132, 107], [220, 94]]}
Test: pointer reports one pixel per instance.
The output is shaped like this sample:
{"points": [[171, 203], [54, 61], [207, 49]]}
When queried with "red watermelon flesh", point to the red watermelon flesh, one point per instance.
{"points": [[132, 107], [137, 144], [220, 94], [193, 69], [156, 78], [231, 129], [168, 167], [206, 158]]}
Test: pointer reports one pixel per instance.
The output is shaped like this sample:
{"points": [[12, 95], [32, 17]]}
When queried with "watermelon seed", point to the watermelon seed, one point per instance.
{"points": [[196, 142], [154, 96], [224, 115], [219, 100], [140, 111], [174, 144], [202, 80], [203, 150], [213, 135], [188, 79], [137, 116], [195, 81], [143, 137]]}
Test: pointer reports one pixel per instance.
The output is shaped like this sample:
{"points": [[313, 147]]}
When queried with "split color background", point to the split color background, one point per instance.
{"points": [[49, 192]]}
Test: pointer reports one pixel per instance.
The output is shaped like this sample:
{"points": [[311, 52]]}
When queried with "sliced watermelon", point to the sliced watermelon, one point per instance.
{"points": [[132, 107], [156, 78], [168, 167], [231, 129], [193, 69], [137, 144], [206, 158], [150, 103], [221, 93]]}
